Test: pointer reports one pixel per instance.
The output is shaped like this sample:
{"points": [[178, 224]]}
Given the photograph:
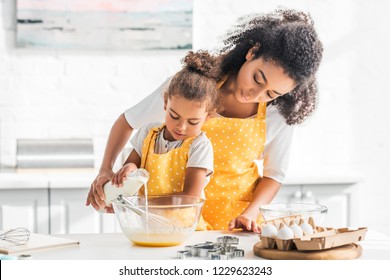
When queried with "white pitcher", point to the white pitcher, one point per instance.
{"points": [[135, 180]]}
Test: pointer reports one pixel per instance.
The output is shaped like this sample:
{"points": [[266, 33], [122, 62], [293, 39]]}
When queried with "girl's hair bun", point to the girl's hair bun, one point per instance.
{"points": [[202, 63], [197, 80]]}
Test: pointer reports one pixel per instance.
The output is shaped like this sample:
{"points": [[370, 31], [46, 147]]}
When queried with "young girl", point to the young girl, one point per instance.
{"points": [[269, 64], [178, 156]]}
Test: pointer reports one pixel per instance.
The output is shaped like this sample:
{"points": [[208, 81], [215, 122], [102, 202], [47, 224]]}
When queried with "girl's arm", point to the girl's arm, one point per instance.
{"points": [[265, 191], [132, 163], [200, 164], [194, 181]]}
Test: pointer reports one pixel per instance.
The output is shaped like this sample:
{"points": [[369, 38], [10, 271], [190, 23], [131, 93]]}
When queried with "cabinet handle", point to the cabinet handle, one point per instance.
{"points": [[302, 196], [309, 197], [295, 197]]}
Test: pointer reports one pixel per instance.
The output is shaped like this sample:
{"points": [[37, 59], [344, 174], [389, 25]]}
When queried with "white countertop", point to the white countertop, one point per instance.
{"points": [[115, 246], [47, 179], [23, 181]]}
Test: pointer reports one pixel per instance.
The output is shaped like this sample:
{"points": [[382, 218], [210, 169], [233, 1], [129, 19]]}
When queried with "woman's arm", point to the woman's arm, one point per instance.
{"points": [[276, 157], [265, 191], [278, 145], [149, 109], [119, 135]]}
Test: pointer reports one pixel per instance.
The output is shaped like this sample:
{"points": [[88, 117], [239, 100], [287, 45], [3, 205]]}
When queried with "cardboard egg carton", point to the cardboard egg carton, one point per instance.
{"points": [[342, 236], [321, 239]]}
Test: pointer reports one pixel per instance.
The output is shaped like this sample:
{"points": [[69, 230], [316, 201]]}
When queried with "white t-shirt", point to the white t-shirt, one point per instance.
{"points": [[200, 154], [278, 134]]}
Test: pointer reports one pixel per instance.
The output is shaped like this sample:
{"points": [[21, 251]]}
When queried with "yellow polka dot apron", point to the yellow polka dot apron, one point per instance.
{"points": [[236, 143], [166, 171], [167, 175]]}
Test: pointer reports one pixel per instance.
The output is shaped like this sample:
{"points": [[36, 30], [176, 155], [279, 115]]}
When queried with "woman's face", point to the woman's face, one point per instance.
{"points": [[183, 118], [261, 81]]}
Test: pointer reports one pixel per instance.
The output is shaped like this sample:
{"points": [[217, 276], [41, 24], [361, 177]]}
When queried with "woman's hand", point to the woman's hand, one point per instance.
{"points": [[265, 191], [119, 135], [96, 193], [245, 222]]}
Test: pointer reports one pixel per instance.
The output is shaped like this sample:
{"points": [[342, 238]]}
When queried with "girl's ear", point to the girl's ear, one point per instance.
{"points": [[165, 102], [210, 114]]}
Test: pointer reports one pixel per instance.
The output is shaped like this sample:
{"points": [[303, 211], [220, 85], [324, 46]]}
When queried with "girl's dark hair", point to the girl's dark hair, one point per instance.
{"points": [[288, 38], [197, 81]]}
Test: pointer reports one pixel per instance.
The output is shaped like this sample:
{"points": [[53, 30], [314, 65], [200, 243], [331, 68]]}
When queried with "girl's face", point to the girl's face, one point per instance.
{"points": [[183, 118], [261, 81]]}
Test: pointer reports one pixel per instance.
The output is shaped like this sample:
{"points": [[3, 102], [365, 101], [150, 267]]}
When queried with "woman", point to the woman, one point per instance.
{"points": [[269, 64]]}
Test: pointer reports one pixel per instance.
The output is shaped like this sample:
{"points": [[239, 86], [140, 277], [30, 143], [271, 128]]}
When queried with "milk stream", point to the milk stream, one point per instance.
{"points": [[134, 181], [146, 207]]}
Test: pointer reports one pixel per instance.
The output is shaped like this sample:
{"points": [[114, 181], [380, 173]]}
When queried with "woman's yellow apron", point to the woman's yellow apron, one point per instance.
{"points": [[236, 143]]}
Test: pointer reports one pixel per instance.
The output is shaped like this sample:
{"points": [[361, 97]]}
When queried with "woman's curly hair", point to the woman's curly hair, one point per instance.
{"points": [[288, 38], [197, 81]]}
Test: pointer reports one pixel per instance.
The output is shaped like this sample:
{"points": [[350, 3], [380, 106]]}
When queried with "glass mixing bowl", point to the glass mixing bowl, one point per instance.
{"points": [[158, 220], [305, 210]]}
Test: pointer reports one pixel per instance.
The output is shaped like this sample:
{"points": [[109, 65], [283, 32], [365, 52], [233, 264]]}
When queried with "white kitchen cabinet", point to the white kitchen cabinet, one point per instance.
{"points": [[21, 207], [68, 214], [341, 199]]}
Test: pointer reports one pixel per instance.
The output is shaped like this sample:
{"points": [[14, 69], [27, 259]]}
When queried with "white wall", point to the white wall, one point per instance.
{"points": [[65, 94], [79, 94]]}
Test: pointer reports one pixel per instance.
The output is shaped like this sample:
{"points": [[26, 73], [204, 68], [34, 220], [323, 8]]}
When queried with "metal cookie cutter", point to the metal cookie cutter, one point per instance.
{"points": [[238, 253], [198, 250], [223, 249], [183, 254], [227, 240]]}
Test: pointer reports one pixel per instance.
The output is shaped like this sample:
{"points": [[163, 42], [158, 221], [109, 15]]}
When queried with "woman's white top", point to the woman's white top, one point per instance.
{"points": [[278, 134]]}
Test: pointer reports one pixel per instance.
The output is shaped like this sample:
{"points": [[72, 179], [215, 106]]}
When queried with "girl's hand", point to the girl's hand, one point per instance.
{"points": [[244, 222], [122, 173], [96, 193]]}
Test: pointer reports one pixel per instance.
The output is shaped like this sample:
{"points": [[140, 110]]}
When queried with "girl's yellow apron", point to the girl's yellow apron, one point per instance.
{"points": [[236, 143], [167, 171], [167, 175]]}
